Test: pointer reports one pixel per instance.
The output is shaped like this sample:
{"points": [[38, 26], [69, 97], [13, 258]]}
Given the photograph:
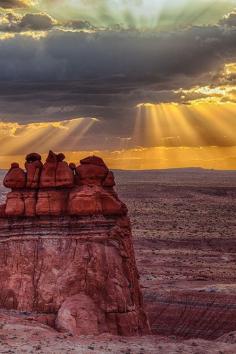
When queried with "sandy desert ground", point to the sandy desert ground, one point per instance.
{"points": [[185, 239], [184, 228]]}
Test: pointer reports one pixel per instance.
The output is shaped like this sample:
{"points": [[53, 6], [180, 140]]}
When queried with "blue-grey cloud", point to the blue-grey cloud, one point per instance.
{"points": [[106, 74], [13, 23], [229, 20], [9, 4], [121, 57]]}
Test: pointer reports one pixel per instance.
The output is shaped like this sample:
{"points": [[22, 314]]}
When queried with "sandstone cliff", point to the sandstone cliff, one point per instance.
{"points": [[66, 248]]}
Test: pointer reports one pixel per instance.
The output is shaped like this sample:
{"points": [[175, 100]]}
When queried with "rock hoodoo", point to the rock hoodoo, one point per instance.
{"points": [[66, 248]]}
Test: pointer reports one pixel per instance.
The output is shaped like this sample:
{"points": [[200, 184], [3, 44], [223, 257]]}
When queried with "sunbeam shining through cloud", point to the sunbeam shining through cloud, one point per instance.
{"points": [[146, 84], [43, 136], [139, 14]]}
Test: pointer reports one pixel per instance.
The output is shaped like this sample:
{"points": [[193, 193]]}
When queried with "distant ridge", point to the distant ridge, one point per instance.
{"points": [[179, 169], [165, 170]]}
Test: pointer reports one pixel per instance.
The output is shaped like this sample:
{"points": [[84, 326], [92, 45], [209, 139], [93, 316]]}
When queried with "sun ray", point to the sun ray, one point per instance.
{"points": [[138, 14], [43, 136]]}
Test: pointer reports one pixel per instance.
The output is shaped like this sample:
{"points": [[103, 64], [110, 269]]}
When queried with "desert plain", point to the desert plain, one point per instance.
{"points": [[184, 231]]}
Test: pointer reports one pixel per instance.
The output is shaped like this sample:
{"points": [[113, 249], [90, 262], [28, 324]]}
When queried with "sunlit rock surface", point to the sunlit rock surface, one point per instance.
{"points": [[66, 248]]}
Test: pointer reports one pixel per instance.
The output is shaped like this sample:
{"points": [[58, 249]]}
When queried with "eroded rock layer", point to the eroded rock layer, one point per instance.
{"points": [[66, 248]]}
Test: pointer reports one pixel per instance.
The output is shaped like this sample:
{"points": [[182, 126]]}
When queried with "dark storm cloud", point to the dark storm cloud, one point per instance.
{"points": [[10, 22], [36, 22], [105, 74], [8, 4], [123, 57], [229, 20], [79, 25]]}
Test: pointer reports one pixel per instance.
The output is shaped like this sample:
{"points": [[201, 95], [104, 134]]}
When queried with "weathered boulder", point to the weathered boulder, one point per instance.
{"points": [[109, 181], [93, 200], [56, 172], [51, 202], [64, 175], [48, 175], [21, 203], [92, 171], [77, 179], [79, 315], [2, 210], [15, 204], [32, 157], [33, 167], [93, 160], [85, 200], [29, 198], [15, 178], [112, 205]]}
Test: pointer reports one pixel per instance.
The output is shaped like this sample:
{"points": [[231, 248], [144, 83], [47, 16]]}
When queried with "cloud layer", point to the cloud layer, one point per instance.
{"points": [[9, 4], [127, 56], [12, 23], [55, 69], [99, 73], [229, 19]]}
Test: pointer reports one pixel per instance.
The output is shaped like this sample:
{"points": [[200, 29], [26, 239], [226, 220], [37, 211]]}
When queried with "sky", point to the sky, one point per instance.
{"points": [[145, 84]]}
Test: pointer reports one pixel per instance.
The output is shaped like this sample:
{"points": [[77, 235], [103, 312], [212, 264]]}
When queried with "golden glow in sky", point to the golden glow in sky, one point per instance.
{"points": [[175, 135], [213, 157], [201, 132], [139, 14], [132, 14], [158, 76], [44, 136], [195, 124]]}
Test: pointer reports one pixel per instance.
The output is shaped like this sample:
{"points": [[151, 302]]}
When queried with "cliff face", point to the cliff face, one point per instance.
{"points": [[66, 248]]}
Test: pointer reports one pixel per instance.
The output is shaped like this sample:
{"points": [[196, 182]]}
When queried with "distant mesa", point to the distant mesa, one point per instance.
{"points": [[66, 249]]}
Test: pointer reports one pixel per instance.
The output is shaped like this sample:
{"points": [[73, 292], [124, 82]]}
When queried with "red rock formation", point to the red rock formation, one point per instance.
{"points": [[109, 181], [85, 200], [80, 315], [64, 174], [92, 171], [33, 167], [15, 178], [2, 210], [15, 204], [51, 202], [69, 252], [56, 172], [29, 198]]}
